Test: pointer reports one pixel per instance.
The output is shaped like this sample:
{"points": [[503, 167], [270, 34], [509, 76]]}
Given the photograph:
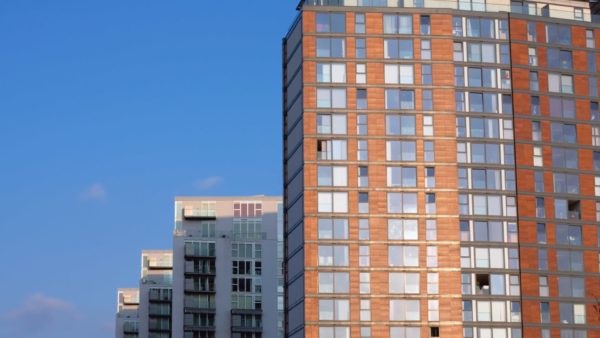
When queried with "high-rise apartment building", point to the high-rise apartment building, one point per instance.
{"points": [[156, 294], [127, 320], [223, 277], [442, 169], [227, 279]]}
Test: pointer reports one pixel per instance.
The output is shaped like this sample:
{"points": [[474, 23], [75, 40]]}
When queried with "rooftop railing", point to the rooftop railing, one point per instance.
{"points": [[581, 14]]}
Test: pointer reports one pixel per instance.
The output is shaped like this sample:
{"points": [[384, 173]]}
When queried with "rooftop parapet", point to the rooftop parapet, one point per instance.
{"points": [[564, 10]]}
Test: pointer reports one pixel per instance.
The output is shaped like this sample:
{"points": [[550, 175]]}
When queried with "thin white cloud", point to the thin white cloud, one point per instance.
{"points": [[95, 192], [39, 312], [208, 182]]}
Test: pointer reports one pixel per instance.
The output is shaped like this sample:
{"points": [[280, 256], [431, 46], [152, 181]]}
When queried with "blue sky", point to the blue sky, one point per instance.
{"points": [[109, 109]]}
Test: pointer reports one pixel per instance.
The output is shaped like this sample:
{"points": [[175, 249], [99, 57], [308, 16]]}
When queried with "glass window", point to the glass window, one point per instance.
{"points": [[568, 234], [398, 49], [336, 202], [365, 282], [564, 158], [534, 82], [405, 310], [364, 258], [332, 176], [399, 74], [536, 131], [331, 124], [399, 99], [503, 29], [425, 22], [403, 256], [430, 203], [559, 58], [428, 151], [431, 229], [558, 34], [360, 49], [571, 287], [533, 60], [331, 22], [331, 47], [426, 77], [589, 39], [334, 309], [543, 286], [535, 105], [332, 228], [457, 26], [361, 124], [402, 177], [361, 99], [400, 125], [401, 150], [333, 255], [425, 49], [569, 260], [563, 132], [459, 76], [504, 54], [332, 150], [359, 23], [331, 98], [362, 150], [562, 107], [331, 332], [539, 181], [403, 283], [397, 24], [361, 73], [403, 229], [334, 282], [402, 203], [542, 259], [427, 99], [531, 31], [559, 83], [331, 72], [363, 229], [432, 283], [427, 125]]}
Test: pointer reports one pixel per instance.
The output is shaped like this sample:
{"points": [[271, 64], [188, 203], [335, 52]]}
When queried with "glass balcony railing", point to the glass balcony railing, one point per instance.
{"points": [[551, 11], [131, 327]]}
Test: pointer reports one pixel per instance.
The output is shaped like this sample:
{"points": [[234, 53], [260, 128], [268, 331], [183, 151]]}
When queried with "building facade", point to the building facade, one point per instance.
{"points": [[127, 320], [226, 270], [442, 169], [156, 294], [222, 279]]}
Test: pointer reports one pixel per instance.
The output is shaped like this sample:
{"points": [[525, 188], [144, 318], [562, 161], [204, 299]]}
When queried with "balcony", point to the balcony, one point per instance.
{"points": [[199, 309], [245, 322], [130, 328], [205, 287], [199, 213], [246, 311], [164, 314], [194, 251], [199, 272], [243, 329], [198, 327], [160, 297], [187, 327], [159, 327]]}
